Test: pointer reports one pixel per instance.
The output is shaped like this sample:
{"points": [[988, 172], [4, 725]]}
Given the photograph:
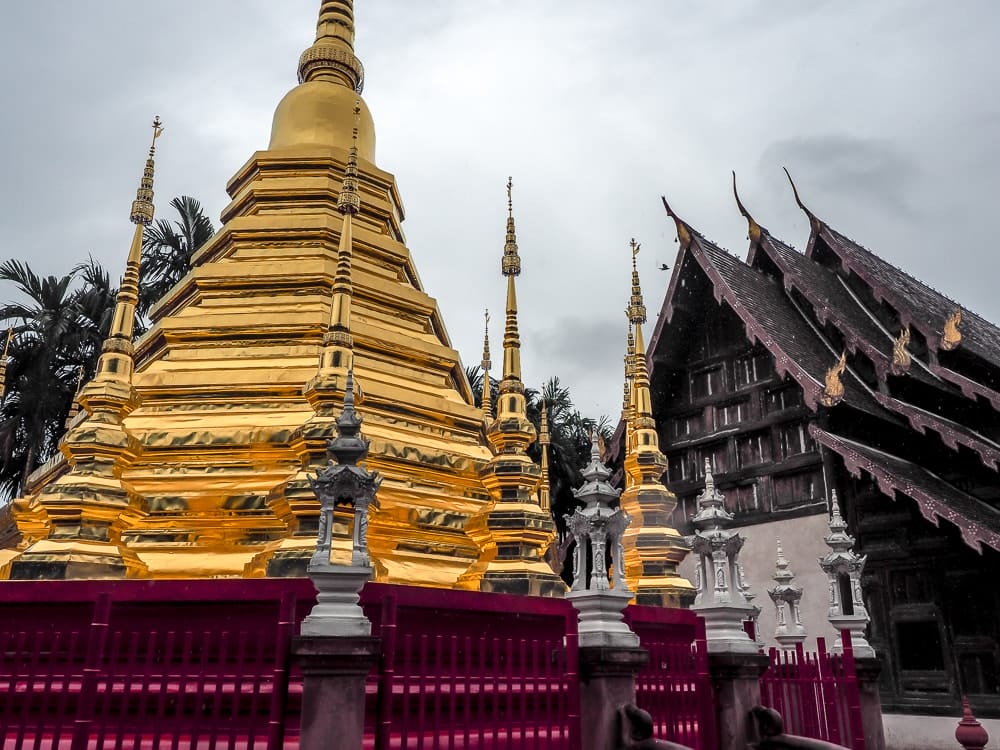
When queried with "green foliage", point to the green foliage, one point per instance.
{"points": [[59, 326]]}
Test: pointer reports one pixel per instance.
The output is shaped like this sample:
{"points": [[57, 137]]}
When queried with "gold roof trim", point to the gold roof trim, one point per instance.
{"points": [[952, 336]]}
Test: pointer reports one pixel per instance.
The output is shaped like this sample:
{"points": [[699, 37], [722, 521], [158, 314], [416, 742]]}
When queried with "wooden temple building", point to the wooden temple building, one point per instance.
{"points": [[800, 375]]}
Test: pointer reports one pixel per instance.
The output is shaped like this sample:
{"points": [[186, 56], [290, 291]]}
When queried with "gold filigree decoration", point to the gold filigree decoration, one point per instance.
{"points": [[900, 354], [952, 336], [833, 390]]}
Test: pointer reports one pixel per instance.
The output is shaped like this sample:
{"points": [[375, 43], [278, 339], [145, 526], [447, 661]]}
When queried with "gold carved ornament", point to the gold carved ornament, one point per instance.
{"points": [[952, 337], [900, 354], [833, 390]]}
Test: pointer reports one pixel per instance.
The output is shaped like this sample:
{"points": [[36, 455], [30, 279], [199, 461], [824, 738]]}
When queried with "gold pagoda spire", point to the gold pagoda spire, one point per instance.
{"points": [[510, 266], [486, 364], [74, 527], [337, 357], [111, 392], [516, 530], [3, 364], [331, 57], [653, 549], [626, 417], [544, 489]]}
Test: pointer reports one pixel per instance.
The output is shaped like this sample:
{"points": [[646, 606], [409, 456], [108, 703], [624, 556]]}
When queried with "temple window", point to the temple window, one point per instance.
{"points": [[752, 368], [784, 398], [794, 439], [796, 489], [732, 413], [707, 382], [753, 449]]}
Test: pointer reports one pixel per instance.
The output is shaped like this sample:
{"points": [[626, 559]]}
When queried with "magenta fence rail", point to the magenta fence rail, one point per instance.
{"points": [[184, 665], [675, 686], [463, 670], [816, 693]]}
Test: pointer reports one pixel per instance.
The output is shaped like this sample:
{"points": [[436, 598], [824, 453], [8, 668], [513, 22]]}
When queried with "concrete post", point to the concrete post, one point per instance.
{"points": [[334, 671], [871, 704], [607, 677], [736, 682]]}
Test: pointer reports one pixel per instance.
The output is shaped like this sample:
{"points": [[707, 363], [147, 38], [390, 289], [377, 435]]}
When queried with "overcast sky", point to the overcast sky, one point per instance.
{"points": [[886, 114]]}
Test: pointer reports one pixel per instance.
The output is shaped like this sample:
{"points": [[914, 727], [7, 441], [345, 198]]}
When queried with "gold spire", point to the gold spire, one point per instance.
{"points": [[833, 389], [952, 336], [636, 307], [543, 442], [486, 364], [111, 389], [331, 57], [652, 549], [74, 408], [338, 344], [3, 364], [510, 266]]}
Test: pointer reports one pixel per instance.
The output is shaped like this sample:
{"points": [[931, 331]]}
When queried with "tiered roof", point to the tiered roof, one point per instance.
{"points": [[921, 419]]}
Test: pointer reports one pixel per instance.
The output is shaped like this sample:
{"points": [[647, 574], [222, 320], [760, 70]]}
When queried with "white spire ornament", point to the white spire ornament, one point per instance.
{"points": [[721, 599], [786, 596], [843, 568]]}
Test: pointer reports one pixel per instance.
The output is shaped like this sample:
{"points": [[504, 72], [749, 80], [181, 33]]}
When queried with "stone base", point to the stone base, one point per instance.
{"points": [[337, 612], [856, 625], [736, 679], [607, 683], [334, 672], [601, 623], [724, 631]]}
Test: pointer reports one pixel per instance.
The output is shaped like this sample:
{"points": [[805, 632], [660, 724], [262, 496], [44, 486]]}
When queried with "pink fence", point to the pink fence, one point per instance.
{"points": [[816, 693], [463, 670], [675, 686]]}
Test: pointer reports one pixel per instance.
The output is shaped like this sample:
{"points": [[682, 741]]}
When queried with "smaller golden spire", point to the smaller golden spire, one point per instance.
{"points": [[627, 404], [486, 364], [833, 390], [952, 336], [116, 365], [338, 343], [636, 311], [543, 441], [510, 266], [3, 363], [331, 57], [74, 408], [901, 358]]}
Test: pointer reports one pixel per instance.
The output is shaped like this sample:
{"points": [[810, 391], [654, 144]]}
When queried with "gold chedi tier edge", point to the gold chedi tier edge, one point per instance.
{"points": [[74, 526], [225, 426], [653, 549]]}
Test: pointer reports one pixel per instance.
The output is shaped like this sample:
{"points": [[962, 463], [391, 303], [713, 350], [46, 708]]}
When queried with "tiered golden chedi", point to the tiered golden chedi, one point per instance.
{"points": [[193, 454], [237, 380]]}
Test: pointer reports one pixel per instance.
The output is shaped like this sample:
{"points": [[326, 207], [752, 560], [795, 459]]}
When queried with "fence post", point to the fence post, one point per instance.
{"points": [[866, 672], [279, 673], [91, 669], [383, 719], [607, 675], [736, 682]]}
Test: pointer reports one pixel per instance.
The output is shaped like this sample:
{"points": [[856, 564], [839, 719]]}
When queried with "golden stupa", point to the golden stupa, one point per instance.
{"points": [[192, 452]]}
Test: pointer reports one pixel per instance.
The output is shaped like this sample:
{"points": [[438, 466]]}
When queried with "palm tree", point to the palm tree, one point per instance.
{"points": [[39, 386], [167, 249]]}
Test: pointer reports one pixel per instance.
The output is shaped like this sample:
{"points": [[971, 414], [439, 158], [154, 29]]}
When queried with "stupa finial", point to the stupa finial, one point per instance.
{"points": [[636, 311], [485, 365], [331, 57], [644, 428], [510, 266], [116, 362]]}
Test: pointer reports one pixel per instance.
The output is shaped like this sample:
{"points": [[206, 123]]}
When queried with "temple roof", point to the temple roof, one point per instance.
{"points": [[770, 317], [918, 304], [978, 522]]}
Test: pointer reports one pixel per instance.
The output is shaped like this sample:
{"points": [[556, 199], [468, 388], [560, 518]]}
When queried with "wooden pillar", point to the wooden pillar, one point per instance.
{"points": [[334, 669]]}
